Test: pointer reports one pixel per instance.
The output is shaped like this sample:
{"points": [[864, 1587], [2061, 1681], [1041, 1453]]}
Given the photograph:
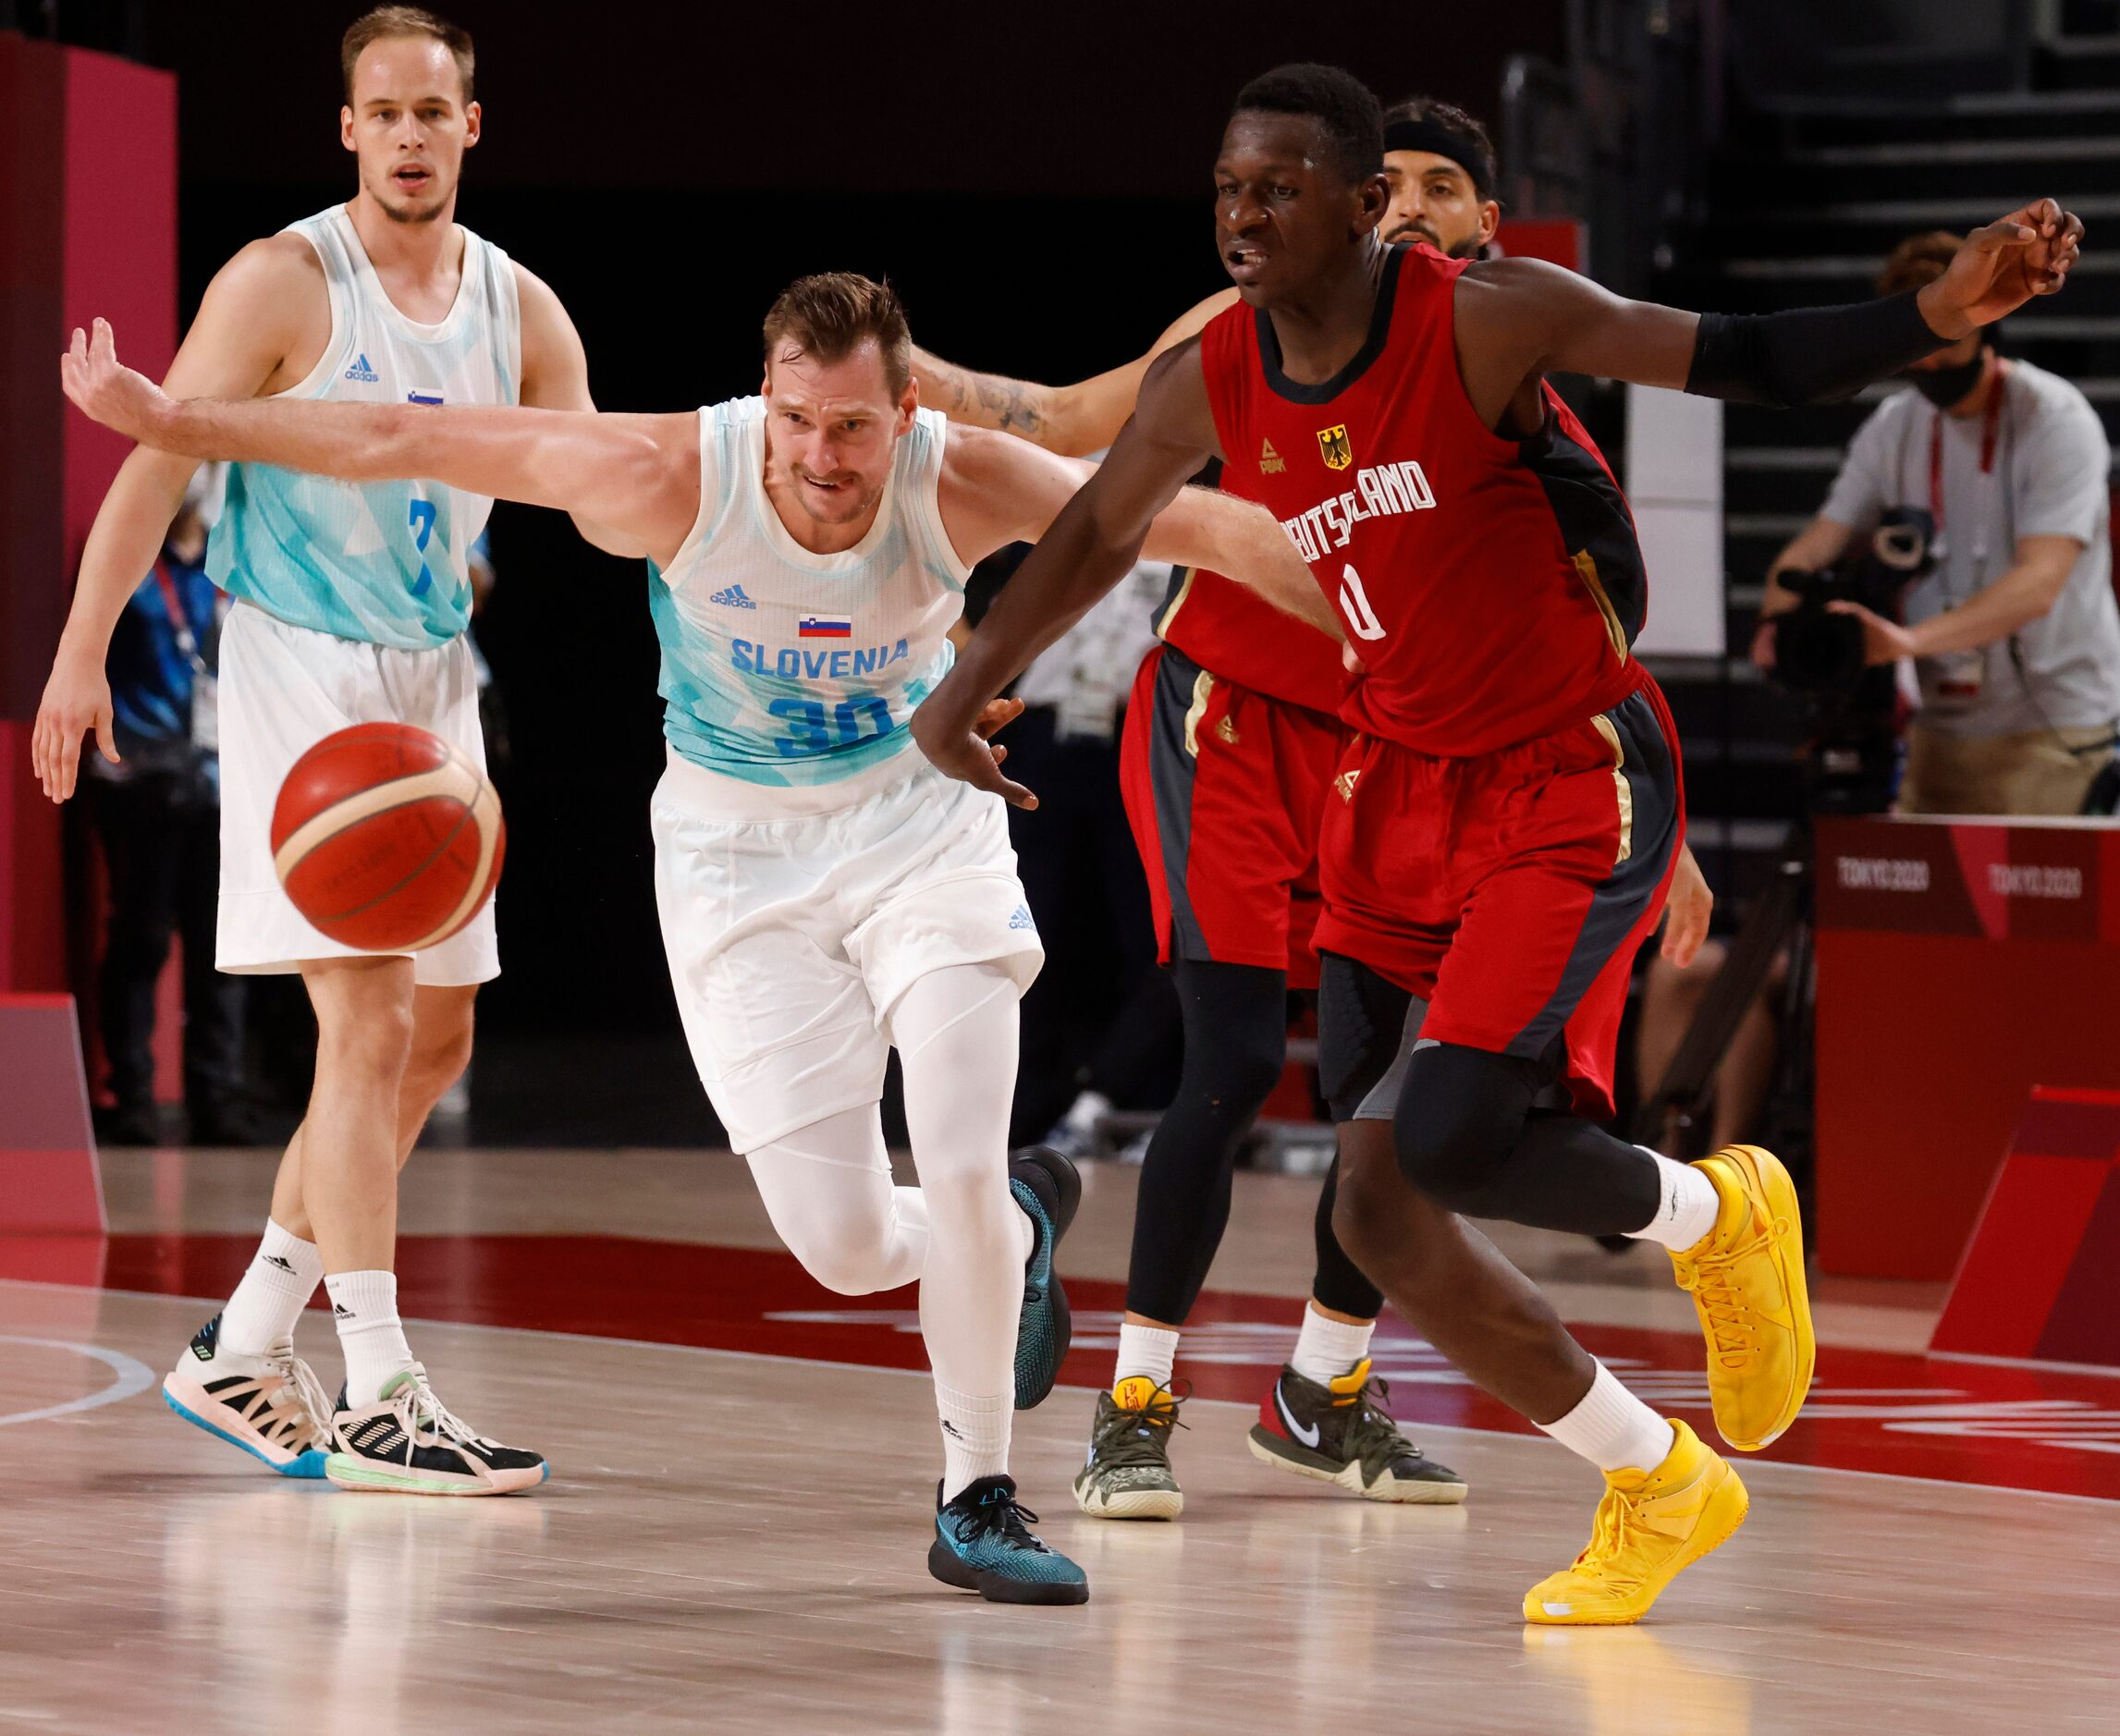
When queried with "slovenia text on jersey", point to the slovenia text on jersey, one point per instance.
{"points": [[783, 667]]}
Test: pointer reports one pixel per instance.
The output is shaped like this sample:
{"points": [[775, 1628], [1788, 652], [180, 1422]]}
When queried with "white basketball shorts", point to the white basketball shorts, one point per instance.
{"points": [[794, 919], [283, 689]]}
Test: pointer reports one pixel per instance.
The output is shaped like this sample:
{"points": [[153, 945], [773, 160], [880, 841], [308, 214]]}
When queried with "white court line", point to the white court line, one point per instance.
{"points": [[1747, 1460], [133, 1376]]}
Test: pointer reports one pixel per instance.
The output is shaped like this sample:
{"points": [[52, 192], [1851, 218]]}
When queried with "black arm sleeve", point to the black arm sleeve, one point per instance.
{"points": [[1810, 355]]}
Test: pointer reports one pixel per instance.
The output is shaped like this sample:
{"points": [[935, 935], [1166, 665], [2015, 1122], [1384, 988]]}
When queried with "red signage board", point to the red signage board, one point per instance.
{"points": [[1961, 963]]}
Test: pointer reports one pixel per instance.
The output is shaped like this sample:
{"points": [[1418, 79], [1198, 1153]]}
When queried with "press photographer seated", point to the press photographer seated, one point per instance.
{"points": [[2013, 630]]}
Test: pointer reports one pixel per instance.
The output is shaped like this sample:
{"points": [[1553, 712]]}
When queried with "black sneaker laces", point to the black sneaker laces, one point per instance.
{"points": [[1001, 1513], [1127, 1437], [1375, 1435]]}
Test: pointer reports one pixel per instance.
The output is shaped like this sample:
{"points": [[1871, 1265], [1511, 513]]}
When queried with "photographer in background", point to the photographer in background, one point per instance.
{"points": [[156, 806], [2012, 629]]}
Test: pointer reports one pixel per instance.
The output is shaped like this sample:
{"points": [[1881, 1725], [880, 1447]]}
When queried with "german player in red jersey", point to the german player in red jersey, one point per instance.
{"points": [[1506, 822], [1231, 742]]}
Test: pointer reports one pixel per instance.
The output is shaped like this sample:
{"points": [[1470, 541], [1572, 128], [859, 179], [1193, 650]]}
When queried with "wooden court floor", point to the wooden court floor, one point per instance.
{"points": [[733, 1536]]}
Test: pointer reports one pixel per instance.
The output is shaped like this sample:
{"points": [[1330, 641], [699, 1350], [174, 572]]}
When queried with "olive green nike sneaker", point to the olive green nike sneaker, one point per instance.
{"points": [[1128, 1473], [1342, 1433]]}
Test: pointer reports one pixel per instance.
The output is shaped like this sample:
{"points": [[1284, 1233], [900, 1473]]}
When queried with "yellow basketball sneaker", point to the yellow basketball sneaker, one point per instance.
{"points": [[1650, 1524], [1747, 1275]]}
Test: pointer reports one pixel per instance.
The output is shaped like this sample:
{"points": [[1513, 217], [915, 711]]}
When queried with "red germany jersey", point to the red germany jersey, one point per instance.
{"points": [[1491, 587], [1235, 633]]}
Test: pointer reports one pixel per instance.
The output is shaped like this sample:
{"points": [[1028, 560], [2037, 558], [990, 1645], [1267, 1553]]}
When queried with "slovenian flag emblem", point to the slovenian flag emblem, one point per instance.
{"points": [[424, 395], [824, 627]]}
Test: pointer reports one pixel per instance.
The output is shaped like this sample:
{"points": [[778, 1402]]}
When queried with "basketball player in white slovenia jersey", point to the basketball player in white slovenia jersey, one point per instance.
{"points": [[824, 894], [351, 608]]}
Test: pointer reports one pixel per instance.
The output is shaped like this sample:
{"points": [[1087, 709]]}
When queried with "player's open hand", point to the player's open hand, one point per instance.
{"points": [[1686, 909], [1997, 269], [967, 754], [106, 389], [76, 699]]}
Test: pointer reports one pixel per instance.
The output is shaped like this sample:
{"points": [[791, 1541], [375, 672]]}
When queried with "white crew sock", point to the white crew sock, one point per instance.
{"points": [[1086, 1112], [1326, 1349], [365, 1306], [283, 1275], [1148, 1351], [1612, 1429], [1687, 1208], [975, 1437]]}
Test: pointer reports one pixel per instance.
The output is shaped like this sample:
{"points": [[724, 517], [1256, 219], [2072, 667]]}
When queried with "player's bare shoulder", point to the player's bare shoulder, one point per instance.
{"points": [[264, 324], [1173, 408]]}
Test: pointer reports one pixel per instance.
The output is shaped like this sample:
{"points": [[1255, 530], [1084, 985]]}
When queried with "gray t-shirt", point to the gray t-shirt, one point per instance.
{"points": [[2050, 478]]}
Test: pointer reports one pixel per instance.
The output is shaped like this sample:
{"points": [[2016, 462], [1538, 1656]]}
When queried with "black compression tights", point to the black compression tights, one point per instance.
{"points": [[1236, 1037]]}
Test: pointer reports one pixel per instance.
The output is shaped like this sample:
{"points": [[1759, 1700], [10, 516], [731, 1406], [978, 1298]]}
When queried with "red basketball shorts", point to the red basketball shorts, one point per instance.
{"points": [[1225, 788], [1510, 891]]}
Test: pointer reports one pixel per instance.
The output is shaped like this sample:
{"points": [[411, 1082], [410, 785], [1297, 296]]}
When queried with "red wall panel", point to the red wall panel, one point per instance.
{"points": [[87, 225]]}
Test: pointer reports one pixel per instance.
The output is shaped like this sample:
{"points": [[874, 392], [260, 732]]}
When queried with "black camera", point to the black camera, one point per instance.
{"points": [[1818, 652], [1852, 751]]}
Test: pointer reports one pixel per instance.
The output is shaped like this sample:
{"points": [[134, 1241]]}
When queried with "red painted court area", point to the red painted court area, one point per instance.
{"points": [[2004, 1425]]}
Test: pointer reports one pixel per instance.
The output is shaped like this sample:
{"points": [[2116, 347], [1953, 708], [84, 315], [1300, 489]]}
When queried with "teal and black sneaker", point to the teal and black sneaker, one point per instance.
{"points": [[1048, 1187], [983, 1543]]}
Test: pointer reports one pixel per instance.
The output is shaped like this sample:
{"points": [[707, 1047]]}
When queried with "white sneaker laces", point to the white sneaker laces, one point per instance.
{"points": [[416, 1407], [297, 1377]]}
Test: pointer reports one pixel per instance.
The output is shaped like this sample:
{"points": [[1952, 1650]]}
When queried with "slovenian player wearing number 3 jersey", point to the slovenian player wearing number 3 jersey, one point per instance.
{"points": [[825, 895], [351, 601]]}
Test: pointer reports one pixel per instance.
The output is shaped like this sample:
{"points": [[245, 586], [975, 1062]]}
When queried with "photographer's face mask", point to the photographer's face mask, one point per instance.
{"points": [[1944, 386]]}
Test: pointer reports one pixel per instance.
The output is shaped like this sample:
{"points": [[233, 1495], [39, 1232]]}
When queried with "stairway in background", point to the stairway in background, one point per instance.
{"points": [[1806, 200]]}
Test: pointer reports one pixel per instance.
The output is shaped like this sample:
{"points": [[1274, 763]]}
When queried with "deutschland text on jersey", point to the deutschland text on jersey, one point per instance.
{"points": [[1492, 587]]}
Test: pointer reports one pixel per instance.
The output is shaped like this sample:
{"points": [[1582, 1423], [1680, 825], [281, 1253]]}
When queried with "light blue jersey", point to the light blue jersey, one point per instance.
{"points": [[382, 562], [784, 668]]}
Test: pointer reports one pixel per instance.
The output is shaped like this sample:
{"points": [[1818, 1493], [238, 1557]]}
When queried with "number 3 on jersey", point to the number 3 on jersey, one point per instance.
{"points": [[423, 523], [811, 733], [1355, 601]]}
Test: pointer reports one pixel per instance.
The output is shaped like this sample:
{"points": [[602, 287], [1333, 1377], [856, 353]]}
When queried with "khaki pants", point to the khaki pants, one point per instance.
{"points": [[2033, 773]]}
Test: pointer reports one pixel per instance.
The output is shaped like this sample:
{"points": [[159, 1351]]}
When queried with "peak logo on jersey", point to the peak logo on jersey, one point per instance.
{"points": [[1269, 462], [1344, 783], [1379, 492], [424, 395], [360, 370], [732, 598], [1228, 731], [1333, 447], [824, 627]]}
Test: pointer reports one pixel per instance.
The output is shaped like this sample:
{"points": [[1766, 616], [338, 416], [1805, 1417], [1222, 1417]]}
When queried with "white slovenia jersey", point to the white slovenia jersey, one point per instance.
{"points": [[383, 562], [784, 668]]}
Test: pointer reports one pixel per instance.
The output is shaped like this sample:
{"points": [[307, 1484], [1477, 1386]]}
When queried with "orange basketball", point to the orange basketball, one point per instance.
{"points": [[386, 837]]}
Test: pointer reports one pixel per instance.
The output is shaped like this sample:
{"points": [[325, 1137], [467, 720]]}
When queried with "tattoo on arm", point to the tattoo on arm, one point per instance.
{"points": [[988, 399]]}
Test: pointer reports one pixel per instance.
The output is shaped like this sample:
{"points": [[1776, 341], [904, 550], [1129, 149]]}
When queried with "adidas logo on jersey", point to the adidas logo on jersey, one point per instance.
{"points": [[1020, 918], [732, 598], [362, 372]]}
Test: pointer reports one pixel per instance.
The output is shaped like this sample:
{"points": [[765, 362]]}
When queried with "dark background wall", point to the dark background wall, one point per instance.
{"points": [[1032, 178]]}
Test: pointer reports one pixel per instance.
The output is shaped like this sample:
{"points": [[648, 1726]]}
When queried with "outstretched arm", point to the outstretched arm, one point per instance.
{"points": [[1518, 319], [556, 376], [1071, 420], [1092, 546], [638, 474], [997, 489]]}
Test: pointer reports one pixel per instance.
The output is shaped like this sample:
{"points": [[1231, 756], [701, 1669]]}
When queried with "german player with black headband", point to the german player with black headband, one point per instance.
{"points": [[1507, 819]]}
